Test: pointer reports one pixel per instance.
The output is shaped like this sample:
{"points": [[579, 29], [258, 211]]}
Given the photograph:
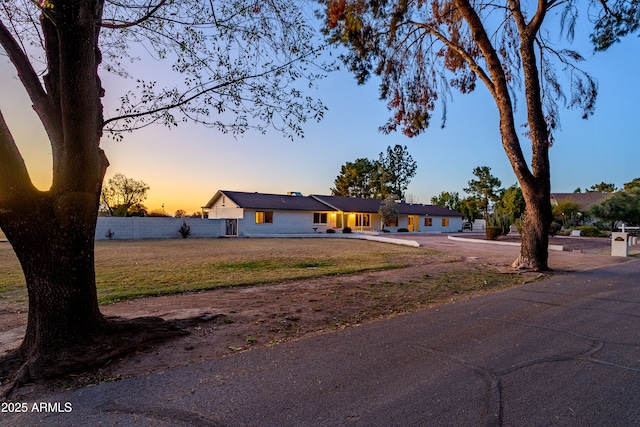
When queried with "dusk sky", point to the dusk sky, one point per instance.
{"points": [[185, 166]]}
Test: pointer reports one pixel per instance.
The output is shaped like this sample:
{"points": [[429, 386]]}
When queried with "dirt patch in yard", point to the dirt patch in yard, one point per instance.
{"points": [[226, 321]]}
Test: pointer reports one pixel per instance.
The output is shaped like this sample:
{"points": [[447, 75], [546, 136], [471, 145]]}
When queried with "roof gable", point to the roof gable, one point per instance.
{"points": [[270, 201]]}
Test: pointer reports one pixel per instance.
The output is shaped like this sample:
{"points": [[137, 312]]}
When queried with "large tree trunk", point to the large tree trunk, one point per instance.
{"points": [[535, 183], [52, 232], [52, 237], [534, 249]]}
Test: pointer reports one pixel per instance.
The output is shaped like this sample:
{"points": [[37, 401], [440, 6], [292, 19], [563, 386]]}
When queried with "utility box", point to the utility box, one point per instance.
{"points": [[619, 244]]}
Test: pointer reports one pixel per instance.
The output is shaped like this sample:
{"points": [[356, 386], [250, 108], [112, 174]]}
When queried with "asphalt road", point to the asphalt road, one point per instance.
{"points": [[563, 352]]}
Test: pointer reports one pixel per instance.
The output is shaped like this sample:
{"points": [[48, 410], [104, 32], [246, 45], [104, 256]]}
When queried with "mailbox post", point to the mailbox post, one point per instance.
{"points": [[619, 244]]}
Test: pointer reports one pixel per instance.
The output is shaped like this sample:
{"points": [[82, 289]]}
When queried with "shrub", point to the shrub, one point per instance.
{"points": [[503, 222], [554, 228], [590, 231], [403, 230], [346, 230], [492, 233], [185, 229], [384, 230], [330, 231], [604, 225]]}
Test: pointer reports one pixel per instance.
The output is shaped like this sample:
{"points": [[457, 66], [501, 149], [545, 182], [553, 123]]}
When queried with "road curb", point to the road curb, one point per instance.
{"points": [[494, 242]]}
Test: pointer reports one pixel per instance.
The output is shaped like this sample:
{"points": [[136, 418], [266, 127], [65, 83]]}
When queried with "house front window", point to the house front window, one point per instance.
{"points": [[319, 217], [264, 217], [363, 220], [428, 222], [445, 222]]}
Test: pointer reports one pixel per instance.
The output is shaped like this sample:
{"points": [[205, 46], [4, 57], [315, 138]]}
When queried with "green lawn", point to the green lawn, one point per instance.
{"points": [[132, 269]]}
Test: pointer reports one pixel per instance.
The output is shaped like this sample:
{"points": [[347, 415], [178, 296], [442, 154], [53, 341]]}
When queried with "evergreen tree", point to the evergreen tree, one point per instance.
{"points": [[397, 167], [357, 179], [486, 189]]}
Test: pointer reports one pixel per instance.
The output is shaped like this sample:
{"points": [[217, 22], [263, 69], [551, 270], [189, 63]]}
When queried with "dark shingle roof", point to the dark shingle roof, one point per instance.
{"points": [[274, 201], [585, 200], [323, 203], [350, 204], [431, 210]]}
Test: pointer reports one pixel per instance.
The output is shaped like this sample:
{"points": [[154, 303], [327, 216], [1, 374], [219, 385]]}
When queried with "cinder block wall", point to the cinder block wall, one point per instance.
{"points": [[136, 228]]}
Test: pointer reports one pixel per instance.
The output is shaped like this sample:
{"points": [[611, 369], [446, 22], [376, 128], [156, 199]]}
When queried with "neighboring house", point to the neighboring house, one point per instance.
{"points": [[585, 200], [258, 213]]}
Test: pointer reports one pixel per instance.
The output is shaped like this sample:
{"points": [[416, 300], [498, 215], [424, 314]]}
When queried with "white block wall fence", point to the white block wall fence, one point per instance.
{"points": [[136, 228]]}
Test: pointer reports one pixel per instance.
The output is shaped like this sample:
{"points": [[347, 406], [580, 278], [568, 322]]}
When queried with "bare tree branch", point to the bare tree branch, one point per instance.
{"points": [[501, 90], [473, 64], [138, 21], [186, 100]]}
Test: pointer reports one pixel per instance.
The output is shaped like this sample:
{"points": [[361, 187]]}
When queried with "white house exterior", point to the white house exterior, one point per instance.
{"points": [[362, 215], [246, 214]]}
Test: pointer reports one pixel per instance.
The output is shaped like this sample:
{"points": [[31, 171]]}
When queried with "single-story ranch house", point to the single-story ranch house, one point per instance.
{"points": [[583, 200], [248, 214]]}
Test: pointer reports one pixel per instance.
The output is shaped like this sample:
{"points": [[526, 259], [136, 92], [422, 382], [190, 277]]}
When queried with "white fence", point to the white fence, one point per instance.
{"points": [[136, 228]]}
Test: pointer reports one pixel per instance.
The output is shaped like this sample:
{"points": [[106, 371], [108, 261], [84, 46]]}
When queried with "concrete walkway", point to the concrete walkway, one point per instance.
{"points": [[562, 352]]}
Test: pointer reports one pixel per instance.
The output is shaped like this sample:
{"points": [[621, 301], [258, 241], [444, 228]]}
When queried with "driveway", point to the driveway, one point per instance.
{"points": [[579, 253]]}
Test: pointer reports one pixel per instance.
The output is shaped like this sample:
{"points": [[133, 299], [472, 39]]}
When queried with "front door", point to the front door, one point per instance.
{"points": [[413, 222], [231, 227]]}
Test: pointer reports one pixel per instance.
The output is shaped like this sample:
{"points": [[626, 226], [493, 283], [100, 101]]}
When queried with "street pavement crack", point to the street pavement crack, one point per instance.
{"points": [[562, 331], [493, 378], [494, 398], [555, 304], [583, 356]]}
